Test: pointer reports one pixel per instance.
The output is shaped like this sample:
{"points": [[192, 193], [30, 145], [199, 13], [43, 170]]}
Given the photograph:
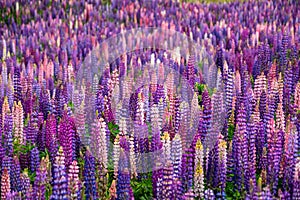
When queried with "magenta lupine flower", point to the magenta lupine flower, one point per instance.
{"points": [[66, 134], [51, 136]]}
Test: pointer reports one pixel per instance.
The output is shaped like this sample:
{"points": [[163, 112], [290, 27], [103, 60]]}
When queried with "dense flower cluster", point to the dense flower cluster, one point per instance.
{"points": [[227, 127]]}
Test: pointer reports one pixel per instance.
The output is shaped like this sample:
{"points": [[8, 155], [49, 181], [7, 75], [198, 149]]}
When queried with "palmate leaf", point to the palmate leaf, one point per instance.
{"points": [[142, 189]]}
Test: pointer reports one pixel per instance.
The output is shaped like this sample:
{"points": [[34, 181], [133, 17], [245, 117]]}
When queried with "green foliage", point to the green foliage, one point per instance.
{"points": [[252, 81], [114, 130], [200, 87], [231, 192], [43, 154], [48, 191], [31, 175], [230, 131], [142, 189], [21, 148]]}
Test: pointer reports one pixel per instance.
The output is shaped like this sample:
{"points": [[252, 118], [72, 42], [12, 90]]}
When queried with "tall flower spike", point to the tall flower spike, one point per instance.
{"points": [[166, 147], [207, 113], [5, 184], [99, 148], [89, 176], [74, 184], [66, 136], [116, 155], [25, 184], [8, 137], [18, 116], [17, 85], [15, 175], [199, 173], [222, 166], [167, 183], [34, 159], [176, 156], [259, 85], [297, 97], [41, 181], [59, 183], [124, 190]]}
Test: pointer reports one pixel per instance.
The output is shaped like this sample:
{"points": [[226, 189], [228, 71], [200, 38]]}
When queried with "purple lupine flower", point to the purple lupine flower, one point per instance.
{"points": [[222, 166], [239, 146], [274, 155], [32, 130], [251, 132], [207, 112], [124, 190], [289, 156], [191, 71], [176, 156], [34, 159], [89, 176], [24, 183], [59, 182], [8, 137], [44, 103], [17, 85], [40, 181], [156, 147], [209, 194], [15, 175], [229, 87]]}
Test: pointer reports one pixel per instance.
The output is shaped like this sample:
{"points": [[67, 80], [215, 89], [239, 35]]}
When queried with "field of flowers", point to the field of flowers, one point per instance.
{"points": [[94, 105]]}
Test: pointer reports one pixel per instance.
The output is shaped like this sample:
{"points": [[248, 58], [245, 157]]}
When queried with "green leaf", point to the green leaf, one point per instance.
{"points": [[230, 131]]}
